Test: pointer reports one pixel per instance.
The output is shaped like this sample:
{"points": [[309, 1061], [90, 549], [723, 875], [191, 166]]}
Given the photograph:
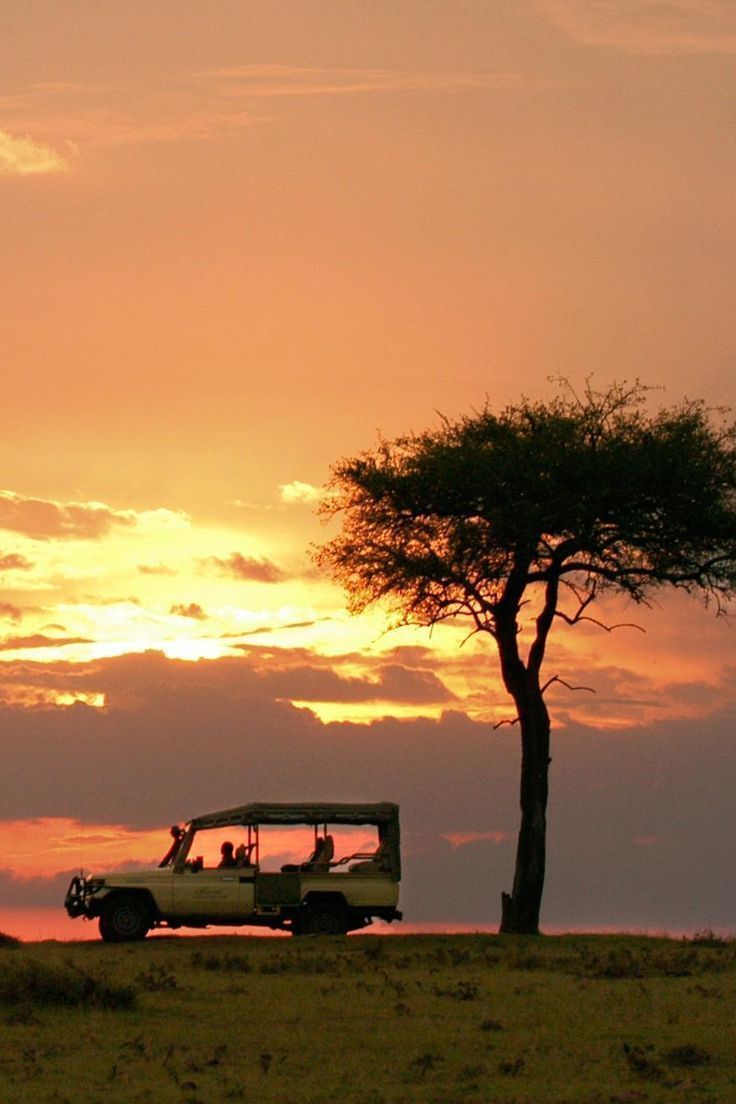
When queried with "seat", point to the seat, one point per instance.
{"points": [[375, 865], [321, 864]]}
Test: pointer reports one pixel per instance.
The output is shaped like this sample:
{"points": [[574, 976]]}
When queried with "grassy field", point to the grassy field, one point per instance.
{"points": [[475, 1019]]}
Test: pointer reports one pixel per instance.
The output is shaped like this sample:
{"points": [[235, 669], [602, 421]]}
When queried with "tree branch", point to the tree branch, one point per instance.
{"points": [[556, 678], [594, 621], [500, 724]]}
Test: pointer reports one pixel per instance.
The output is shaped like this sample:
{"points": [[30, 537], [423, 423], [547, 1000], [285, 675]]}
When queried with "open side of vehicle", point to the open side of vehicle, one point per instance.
{"points": [[250, 884]]}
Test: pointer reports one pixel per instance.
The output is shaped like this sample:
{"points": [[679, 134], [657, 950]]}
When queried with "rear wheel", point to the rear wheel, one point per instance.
{"points": [[321, 919], [124, 920]]}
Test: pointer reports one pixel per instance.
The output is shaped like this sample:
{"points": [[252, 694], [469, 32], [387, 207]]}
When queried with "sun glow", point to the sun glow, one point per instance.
{"points": [[367, 712], [34, 697]]}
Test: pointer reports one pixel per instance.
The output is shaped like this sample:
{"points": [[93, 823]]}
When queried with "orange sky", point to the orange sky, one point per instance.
{"points": [[240, 239]]}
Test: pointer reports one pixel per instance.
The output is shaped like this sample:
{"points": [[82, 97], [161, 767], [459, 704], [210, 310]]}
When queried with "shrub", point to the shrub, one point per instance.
{"points": [[687, 1056], [621, 961], [225, 963], [33, 984], [706, 938], [156, 979], [643, 1061]]}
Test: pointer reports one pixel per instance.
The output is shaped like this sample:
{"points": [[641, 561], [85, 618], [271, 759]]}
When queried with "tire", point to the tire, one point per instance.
{"points": [[321, 919], [125, 920]]}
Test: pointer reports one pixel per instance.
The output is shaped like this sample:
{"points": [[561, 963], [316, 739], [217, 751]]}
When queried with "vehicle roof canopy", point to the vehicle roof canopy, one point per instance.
{"points": [[385, 812]]}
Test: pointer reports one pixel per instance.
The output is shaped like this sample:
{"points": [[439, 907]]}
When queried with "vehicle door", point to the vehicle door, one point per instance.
{"points": [[221, 893]]}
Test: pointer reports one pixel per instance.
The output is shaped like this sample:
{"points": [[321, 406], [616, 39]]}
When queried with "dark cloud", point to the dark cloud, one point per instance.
{"points": [[391, 684], [41, 891], [10, 612], [640, 821], [13, 561], [401, 684], [260, 676], [39, 640], [254, 569], [35, 892], [263, 630], [111, 600], [155, 569], [42, 519], [193, 610]]}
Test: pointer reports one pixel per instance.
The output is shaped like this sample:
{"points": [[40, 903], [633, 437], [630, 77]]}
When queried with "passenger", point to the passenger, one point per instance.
{"points": [[228, 858], [242, 855]]}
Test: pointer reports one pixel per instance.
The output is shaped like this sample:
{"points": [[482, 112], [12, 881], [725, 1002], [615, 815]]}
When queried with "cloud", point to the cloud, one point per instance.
{"points": [[462, 839], [10, 612], [155, 569], [39, 890], [297, 492], [40, 640], [393, 684], [647, 26], [108, 600], [161, 520], [264, 630], [254, 569], [42, 519], [13, 561], [264, 675], [24, 157], [277, 81], [193, 610], [197, 106], [34, 892], [179, 739]]}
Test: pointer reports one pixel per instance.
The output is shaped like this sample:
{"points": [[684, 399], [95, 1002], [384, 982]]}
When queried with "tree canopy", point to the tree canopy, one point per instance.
{"points": [[547, 504]]}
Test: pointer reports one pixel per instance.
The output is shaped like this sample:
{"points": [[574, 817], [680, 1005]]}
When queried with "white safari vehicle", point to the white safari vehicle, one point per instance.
{"points": [[228, 868]]}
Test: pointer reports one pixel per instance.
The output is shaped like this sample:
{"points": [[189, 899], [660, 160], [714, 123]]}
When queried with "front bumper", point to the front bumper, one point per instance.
{"points": [[80, 897]]}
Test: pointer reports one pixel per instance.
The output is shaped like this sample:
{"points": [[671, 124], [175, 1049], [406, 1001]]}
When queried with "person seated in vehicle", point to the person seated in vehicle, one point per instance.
{"points": [[226, 851], [242, 855]]}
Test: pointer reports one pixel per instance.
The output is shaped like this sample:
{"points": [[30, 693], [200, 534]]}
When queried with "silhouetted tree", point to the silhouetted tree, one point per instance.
{"points": [[546, 500]]}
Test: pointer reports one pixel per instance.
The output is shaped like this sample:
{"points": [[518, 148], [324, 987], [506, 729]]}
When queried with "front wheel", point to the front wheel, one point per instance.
{"points": [[318, 919], [124, 920]]}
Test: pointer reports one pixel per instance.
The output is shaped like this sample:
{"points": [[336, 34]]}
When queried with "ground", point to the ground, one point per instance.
{"points": [[369, 1020]]}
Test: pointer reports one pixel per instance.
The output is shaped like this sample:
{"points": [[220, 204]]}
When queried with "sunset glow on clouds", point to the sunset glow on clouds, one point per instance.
{"points": [[643, 27], [239, 244], [23, 157]]}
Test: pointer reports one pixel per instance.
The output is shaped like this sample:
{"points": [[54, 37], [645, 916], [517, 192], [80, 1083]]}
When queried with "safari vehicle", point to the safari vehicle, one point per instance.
{"points": [[237, 875]]}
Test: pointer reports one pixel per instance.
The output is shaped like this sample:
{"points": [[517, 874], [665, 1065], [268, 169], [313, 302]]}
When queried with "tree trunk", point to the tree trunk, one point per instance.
{"points": [[520, 909]]}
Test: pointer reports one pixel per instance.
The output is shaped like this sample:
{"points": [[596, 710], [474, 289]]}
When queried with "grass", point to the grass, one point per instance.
{"points": [[429, 1019]]}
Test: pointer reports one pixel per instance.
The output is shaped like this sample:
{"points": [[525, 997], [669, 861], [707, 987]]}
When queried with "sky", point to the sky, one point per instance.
{"points": [[243, 240]]}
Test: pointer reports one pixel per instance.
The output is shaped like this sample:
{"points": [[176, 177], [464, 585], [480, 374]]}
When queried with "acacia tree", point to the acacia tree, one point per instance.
{"points": [[540, 508]]}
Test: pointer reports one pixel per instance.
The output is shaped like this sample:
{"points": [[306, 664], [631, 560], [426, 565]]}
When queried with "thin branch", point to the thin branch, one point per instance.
{"points": [[499, 724], [474, 632], [584, 600], [556, 678], [632, 575], [594, 621]]}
